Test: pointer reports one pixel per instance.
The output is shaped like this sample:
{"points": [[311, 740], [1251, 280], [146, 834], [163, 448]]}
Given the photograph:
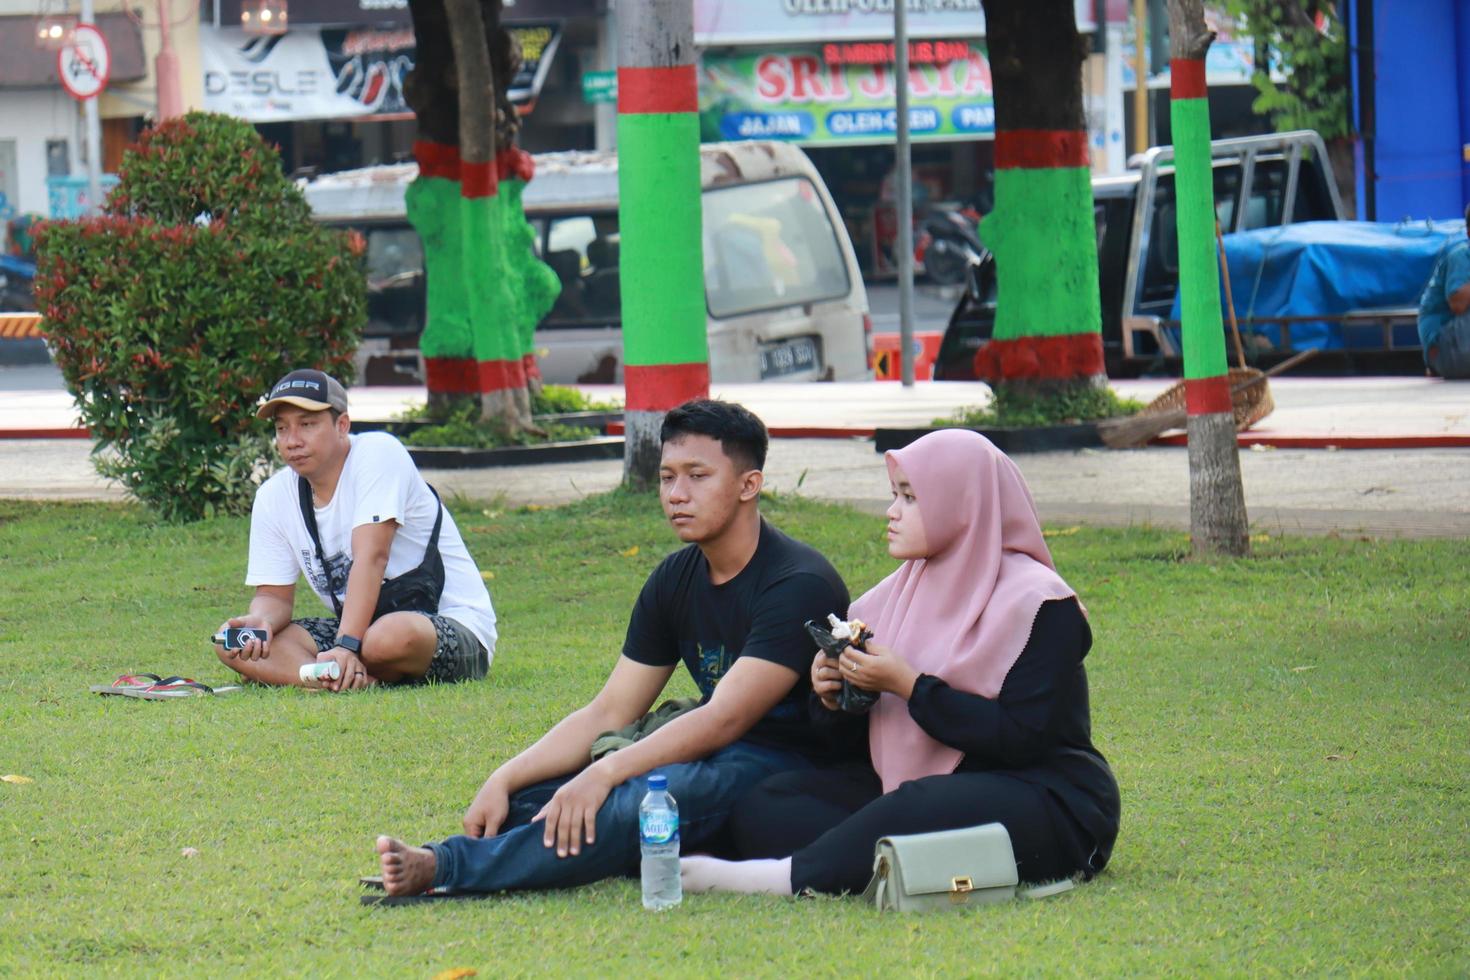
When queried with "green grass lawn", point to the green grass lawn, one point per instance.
{"points": [[1289, 734]]}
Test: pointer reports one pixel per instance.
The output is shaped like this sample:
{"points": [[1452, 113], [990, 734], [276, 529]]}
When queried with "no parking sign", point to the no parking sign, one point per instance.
{"points": [[85, 64]]}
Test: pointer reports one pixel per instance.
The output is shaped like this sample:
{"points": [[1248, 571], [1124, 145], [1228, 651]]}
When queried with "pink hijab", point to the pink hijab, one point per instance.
{"points": [[965, 613]]}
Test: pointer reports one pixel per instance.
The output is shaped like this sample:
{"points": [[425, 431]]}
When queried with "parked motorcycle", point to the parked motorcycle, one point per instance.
{"points": [[948, 244]]}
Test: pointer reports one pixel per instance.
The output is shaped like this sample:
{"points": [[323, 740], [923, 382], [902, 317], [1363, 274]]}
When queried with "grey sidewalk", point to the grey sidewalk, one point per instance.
{"points": [[1416, 493], [1398, 491]]}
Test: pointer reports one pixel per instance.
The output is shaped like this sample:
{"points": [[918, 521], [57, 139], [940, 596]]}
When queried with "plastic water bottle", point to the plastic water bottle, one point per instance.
{"points": [[658, 835]]}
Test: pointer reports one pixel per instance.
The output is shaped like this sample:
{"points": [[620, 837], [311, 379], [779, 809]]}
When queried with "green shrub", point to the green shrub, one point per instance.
{"points": [[558, 399], [171, 314], [463, 428], [550, 400], [1032, 405]]}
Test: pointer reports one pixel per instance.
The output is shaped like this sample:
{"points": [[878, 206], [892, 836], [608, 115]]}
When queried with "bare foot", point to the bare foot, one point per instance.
{"points": [[706, 874], [406, 870]]}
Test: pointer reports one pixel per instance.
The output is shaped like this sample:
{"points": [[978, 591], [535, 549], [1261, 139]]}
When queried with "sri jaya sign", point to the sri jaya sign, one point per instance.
{"points": [[799, 95], [753, 22]]}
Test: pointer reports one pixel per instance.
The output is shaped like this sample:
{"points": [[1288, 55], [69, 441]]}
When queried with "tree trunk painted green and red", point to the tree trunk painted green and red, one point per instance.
{"points": [[1217, 516], [486, 289], [1042, 231], [665, 347]]}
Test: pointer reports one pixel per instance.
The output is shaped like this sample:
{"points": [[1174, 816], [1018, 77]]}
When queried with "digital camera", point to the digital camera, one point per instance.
{"points": [[235, 637]]}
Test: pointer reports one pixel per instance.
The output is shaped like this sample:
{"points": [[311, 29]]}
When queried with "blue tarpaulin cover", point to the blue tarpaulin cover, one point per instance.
{"points": [[17, 266], [1328, 268]]}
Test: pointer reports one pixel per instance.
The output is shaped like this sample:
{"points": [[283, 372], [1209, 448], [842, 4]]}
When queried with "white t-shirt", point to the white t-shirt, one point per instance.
{"points": [[379, 482]]}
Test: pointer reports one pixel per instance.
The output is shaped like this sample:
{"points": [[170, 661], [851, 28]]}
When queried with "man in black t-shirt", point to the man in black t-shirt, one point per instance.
{"points": [[730, 606]]}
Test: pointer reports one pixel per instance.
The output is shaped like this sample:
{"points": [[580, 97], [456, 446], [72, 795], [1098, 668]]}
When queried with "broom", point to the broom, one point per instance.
{"points": [[1135, 430]]}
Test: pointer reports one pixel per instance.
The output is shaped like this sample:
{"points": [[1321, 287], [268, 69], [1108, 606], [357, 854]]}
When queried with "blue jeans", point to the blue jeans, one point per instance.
{"points": [[517, 858]]}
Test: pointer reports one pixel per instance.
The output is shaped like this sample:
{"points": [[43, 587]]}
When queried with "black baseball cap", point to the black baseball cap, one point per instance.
{"points": [[314, 391]]}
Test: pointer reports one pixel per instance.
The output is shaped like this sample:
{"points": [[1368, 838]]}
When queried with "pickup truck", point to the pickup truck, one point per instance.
{"points": [[1260, 182]]}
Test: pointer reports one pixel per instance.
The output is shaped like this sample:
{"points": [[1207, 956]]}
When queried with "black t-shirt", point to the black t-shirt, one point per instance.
{"points": [[681, 615]]}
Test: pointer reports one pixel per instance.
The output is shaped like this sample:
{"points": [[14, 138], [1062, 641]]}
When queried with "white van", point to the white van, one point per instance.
{"points": [[783, 295]]}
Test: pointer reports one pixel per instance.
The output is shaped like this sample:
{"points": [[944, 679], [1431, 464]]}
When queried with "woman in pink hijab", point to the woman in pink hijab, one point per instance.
{"points": [[982, 715]]}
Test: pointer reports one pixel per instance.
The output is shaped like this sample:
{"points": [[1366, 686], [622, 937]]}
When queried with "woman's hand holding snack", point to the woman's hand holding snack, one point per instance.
{"points": [[826, 680], [878, 669]]}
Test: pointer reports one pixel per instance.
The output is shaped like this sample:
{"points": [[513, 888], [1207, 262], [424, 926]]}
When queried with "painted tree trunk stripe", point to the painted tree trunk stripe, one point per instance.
{"points": [[658, 388], [657, 90], [467, 234], [1187, 79], [436, 159], [454, 375], [662, 262], [1199, 270], [1045, 240], [442, 160], [495, 375], [464, 375], [478, 179], [1036, 148], [516, 162], [1052, 358], [432, 203], [484, 179], [1207, 396]]}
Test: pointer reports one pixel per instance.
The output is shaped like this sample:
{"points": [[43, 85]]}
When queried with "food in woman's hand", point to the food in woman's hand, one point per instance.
{"points": [[832, 641], [839, 634], [852, 631]]}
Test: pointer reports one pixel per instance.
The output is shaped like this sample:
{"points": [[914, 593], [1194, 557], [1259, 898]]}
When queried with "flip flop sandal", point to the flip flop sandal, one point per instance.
{"points": [[432, 895], [127, 683], [156, 688], [179, 687]]}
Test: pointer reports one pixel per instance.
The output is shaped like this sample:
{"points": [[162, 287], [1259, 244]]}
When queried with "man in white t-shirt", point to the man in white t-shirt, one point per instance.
{"points": [[352, 514]]}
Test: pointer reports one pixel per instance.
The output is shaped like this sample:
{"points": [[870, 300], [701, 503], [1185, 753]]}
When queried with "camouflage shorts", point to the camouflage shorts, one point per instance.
{"points": [[458, 656]]}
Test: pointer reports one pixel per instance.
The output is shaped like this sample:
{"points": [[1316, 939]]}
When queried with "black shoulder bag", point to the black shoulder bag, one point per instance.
{"points": [[416, 590]]}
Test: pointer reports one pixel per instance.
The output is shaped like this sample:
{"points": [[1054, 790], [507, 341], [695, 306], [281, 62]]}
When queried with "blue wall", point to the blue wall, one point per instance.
{"points": [[1421, 90]]}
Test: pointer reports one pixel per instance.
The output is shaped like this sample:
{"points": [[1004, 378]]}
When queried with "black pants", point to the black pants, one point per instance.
{"points": [[829, 820]]}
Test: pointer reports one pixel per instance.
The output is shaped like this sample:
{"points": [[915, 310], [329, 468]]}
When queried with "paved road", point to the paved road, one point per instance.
{"points": [[932, 306]]}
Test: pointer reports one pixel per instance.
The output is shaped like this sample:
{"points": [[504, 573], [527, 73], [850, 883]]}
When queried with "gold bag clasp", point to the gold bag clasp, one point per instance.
{"points": [[959, 889]]}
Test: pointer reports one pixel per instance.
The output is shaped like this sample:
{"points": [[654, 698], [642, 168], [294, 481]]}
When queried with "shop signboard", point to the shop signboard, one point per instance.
{"points": [[599, 86], [755, 22], [538, 47], [832, 94], [334, 74], [380, 13], [306, 74], [321, 13]]}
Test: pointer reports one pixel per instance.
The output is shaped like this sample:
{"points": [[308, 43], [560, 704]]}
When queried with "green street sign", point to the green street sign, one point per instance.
{"points": [[600, 86]]}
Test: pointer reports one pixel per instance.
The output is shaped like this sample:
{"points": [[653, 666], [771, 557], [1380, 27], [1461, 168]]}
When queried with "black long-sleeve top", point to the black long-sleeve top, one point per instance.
{"points": [[1039, 728]]}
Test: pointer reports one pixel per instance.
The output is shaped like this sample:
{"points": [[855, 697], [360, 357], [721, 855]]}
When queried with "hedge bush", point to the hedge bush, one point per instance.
{"points": [[203, 282]]}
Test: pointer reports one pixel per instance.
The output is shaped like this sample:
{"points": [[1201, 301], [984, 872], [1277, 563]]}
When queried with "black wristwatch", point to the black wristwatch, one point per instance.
{"points": [[350, 643]]}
